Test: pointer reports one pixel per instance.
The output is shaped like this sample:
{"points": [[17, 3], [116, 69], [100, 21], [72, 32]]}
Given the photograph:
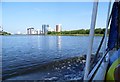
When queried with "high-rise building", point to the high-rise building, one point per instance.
{"points": [[30, 31], [45, 29], [58, 28]]}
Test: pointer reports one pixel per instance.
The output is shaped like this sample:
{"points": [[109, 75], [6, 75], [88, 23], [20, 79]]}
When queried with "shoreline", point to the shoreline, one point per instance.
{"points": [[74, 34], [53, 35]]}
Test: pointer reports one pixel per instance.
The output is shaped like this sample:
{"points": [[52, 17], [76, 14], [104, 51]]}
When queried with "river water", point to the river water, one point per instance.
{"points": [[21, 53]]}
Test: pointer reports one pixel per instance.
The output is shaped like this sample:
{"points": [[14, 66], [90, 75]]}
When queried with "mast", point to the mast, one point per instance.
{"points": [[91, 37], [106, 30]]}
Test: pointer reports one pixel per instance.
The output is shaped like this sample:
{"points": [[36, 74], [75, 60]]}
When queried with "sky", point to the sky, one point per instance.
{"points": [[17, 16]]}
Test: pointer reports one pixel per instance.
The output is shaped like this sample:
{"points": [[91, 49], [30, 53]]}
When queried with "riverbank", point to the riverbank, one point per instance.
{"points": [[73, 34], [50, 35]]}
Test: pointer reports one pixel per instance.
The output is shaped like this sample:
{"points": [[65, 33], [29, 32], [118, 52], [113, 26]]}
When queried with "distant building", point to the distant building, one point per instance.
{"points": [[35, 32], [38, 31], [30, 31], [58, 28], [45, 29]]}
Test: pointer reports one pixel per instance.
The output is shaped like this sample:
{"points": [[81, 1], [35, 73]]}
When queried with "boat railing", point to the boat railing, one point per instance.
{"points": [[90, 74]]}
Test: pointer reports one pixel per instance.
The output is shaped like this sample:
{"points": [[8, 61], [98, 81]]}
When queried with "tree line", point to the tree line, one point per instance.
{"points": [[4, 33], [81, 31]]}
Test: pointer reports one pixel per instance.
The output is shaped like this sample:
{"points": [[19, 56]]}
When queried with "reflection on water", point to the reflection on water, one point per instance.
{"points": [[45, 42], [38, 42], [48, 42], [59, 42]]}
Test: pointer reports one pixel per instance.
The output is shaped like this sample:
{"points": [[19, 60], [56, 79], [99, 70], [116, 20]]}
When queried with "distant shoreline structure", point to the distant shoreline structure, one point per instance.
{"points": [[81, 32], [45, 28]]}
